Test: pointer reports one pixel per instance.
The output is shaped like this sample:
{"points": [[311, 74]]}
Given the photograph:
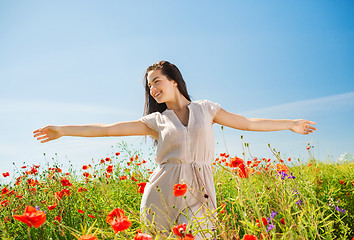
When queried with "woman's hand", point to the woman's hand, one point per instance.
{"points": [[302, 126], [48, 133]]}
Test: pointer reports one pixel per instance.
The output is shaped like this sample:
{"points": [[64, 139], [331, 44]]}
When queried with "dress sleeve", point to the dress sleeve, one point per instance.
{"points": [[212, 108], [150, 121]]}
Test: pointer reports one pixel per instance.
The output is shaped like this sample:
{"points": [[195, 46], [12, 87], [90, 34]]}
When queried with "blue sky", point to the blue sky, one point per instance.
{"points": [[80, 62]]}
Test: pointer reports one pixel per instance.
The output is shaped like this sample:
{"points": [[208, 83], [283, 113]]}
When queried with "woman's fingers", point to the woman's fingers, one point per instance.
{"points": [[37, 131], [38, 134], [45, 140], [43, 137], [311, 128], [310, 122]]}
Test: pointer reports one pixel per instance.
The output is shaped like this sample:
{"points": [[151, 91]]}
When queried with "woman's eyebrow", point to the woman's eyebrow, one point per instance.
{"points": [[153, 80]]}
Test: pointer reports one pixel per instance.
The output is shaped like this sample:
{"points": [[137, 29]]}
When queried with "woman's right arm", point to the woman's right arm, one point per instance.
{"points": [[131, 128]]}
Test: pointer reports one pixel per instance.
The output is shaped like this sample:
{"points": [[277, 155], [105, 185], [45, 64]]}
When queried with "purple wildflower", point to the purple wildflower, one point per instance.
{"points": [[273, 214], [299, 202], [270, 227], [282, 174], [37, 208], [292, 176], [339, 209]]}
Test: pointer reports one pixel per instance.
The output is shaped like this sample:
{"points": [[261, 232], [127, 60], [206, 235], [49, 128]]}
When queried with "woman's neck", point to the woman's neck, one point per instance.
{"points": [[178, 104]]}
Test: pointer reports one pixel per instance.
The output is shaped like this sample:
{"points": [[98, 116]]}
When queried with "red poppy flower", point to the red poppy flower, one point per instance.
{"points": [[179, 229], [91, 216], [242, 171], [31, 217], [107, 159], [118, 220], [58, 195], [88, 237], [4, 203], [134, 179], [142, 236], [234, 162], [51, 207], [264, 221], [342, 182], [81, 189], [58, 218], [282, 168], [117, 153], [4, 191], [249, 237], [123, 178], [222, 210], [84, 167], [110, 169], [6, 174], [141, 187], [179, 189], [80, 211], [65, 192], [102, 161], [282, 221], [65, 182]]}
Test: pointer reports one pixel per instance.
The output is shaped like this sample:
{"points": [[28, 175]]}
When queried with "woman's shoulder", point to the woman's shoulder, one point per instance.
{"points": [[152, 115], [209, 106], [204, 102]]}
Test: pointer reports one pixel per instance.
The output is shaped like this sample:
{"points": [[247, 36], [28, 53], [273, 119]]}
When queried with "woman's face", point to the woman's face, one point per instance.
{"points": [[161, 88]]}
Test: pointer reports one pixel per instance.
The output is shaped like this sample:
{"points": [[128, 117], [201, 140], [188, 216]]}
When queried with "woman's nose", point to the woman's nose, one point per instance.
{"points": [[152, 87]]}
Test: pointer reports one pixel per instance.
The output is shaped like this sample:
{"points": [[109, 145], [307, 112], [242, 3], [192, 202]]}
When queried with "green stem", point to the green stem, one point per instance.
{"points": [[223, 136], [29, 233]]}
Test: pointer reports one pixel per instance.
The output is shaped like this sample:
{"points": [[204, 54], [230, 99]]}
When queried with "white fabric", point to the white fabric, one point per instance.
{"points": [[184, 154]]}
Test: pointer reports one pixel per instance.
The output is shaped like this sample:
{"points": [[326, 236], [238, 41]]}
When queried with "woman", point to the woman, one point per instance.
{"points": [[183, 132]]}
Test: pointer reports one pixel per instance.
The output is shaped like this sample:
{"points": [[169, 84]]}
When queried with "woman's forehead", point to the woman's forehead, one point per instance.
{"points": [[152, 75]]}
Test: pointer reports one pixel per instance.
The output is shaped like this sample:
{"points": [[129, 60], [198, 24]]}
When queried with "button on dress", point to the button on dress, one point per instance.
{"points": [[184, 155]]}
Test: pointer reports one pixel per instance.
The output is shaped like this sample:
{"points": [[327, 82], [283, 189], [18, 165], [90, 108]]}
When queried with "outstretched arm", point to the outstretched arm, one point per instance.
{"points": [[131, 128], [232, 120]]}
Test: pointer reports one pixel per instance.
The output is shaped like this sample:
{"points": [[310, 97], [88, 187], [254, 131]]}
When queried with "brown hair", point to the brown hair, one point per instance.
{"points": [[172, 73]]}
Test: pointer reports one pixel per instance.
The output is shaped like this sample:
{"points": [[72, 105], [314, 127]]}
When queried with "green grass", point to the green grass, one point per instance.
{"points": [[310, 203]]}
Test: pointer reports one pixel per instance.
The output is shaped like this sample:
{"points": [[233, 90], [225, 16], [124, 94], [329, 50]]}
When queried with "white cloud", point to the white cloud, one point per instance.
{"points": [[332, 103]]}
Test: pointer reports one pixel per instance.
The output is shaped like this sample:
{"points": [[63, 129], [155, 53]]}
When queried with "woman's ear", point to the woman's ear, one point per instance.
{"points": [[175, 83]]}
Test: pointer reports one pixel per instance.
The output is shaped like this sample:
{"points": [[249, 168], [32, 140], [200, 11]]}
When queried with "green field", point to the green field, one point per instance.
{"points": [[275, 199]]}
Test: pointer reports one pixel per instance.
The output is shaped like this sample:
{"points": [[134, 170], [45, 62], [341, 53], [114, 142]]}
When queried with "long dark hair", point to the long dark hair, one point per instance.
{"points": [[172, 73]]}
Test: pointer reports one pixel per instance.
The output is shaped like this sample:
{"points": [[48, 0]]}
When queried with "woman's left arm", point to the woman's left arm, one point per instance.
{"points": [[232, 120]]}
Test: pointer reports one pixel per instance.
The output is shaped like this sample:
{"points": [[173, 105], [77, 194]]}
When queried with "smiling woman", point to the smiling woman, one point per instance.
{"points": [[183, 132]]}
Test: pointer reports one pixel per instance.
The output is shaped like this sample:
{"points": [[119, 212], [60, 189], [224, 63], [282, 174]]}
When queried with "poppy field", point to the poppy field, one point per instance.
{"points": [[258, 198]]}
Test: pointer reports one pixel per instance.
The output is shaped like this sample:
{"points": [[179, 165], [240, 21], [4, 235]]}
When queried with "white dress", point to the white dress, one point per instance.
{"points": [[184, 155]]}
